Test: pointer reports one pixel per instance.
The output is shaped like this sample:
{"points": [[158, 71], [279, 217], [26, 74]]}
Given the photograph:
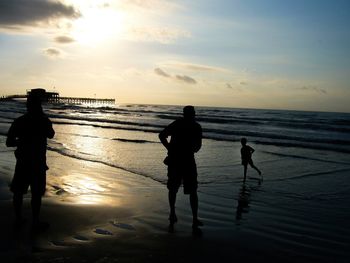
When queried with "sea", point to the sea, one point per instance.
{"points": [[302, 200]]}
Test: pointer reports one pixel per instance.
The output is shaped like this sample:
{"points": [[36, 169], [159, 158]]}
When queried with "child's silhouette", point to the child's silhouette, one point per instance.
{"points": [[246, 155]]}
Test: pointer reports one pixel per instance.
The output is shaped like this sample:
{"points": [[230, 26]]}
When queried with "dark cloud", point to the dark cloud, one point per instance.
{"points": [[16, 13], [243, 83], [161, 72], [315, 89], [229, 86], [186, 79], [52, 52], [182, 78], [64, 39], [197, 67]]}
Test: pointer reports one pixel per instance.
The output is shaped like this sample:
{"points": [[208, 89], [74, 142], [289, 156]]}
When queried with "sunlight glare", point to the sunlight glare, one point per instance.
{"points": [[97, 25]]}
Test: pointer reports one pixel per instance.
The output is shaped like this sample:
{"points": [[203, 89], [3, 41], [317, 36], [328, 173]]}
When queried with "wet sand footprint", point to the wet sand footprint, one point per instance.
{"points": [[80, 238], [103, 232], [59, 243], [122, 225]]}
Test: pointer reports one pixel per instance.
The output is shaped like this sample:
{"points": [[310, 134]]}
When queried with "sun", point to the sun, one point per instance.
{"points": [[97, 24]]}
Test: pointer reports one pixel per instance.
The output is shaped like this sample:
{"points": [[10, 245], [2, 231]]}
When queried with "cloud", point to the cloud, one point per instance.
{"points": [[229, 86], [315, 89], [149, 5], [64, 39], [182, 78], [186, 79], [17, 13], [53, 52], [193, 67], [162, 35], [161, 72]]}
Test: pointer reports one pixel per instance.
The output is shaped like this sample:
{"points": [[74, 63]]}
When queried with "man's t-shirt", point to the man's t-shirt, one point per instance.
{"points": [[186, 138], [29, 133]]}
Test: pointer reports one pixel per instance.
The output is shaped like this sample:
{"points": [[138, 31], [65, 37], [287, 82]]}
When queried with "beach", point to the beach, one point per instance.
{"points": [[106, 198]]}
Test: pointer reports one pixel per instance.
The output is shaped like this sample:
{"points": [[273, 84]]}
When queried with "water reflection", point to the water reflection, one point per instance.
{"points": [[84, 189], [243, 201], [94, 200], [84, 141]]}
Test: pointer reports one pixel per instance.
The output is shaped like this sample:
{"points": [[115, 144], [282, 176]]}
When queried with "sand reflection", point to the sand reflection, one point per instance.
{"points": [[85, 189], [95, 200]]}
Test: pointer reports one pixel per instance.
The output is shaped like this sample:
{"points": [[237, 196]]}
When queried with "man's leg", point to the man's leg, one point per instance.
{"points": [[36, 205], [173, 185], [17, 204], [194, 207], [254, 167], [172, 201], [245, 172], [172, 215]]}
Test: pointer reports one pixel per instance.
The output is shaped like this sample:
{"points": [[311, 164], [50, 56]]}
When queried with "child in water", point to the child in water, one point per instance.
{"points": [[246, 155]]}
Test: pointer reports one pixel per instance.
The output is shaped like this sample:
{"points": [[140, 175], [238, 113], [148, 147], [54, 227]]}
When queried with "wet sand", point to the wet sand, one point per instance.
{"points": [[95, 219]]}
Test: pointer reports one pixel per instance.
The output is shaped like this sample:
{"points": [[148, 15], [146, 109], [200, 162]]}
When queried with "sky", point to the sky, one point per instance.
{"points": [[271, 54]]}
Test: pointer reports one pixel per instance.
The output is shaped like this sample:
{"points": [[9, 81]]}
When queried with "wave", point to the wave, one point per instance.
{"points": [[256, 137], [210, 119], [306, 175], [304, 157], [94, 159], [302, 123], [215, 134], [133, 141], [100, 120], [157, 127], [324, 131], [106, 138], [327, 147], [128, 128]]}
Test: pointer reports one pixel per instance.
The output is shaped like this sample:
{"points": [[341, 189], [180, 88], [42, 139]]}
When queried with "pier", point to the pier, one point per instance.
{"points": [[73, 100], [55, 98]]}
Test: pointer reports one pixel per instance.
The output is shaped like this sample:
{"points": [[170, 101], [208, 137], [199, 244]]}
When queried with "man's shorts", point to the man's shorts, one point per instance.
{"points": [[27, 176], [247, 161], [182, 172]]}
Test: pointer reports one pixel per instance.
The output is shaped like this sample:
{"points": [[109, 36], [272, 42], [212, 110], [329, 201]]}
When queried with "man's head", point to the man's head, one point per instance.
{"points": [[34, 104], [189, 112], [243, 141]]}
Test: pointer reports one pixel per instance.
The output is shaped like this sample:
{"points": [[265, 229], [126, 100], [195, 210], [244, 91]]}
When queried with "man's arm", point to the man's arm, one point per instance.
{"points": [[50, 130], [11, 140], [163, 135], [198, 140]]}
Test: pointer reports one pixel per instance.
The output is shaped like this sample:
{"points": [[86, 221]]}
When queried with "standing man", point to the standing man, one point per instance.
{"points": [[29, 134], [186, 140]]}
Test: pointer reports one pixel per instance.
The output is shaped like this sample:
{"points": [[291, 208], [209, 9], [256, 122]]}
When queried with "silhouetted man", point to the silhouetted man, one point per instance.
{"points": [[29, 134], [186, 139]]}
